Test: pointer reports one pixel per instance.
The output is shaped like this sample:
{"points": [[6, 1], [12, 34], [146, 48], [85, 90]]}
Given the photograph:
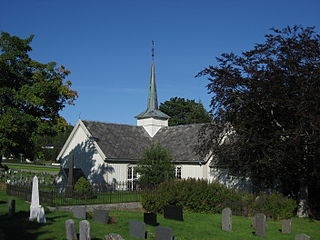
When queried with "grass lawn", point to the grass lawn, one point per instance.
{"points": [[196, 226], [32, 167]]}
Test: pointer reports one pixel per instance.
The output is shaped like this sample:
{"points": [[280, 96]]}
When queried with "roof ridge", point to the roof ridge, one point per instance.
{"points": [[119, 124]]}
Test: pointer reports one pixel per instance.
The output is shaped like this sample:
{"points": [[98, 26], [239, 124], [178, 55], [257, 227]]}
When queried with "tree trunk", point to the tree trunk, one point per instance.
{"points": [[303, 208]]}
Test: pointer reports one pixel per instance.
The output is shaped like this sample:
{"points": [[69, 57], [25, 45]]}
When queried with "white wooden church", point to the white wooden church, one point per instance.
{"points": [[108, 152]]}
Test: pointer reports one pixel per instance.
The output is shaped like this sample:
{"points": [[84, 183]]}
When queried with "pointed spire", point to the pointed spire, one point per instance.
{"points": [[152, 101]]}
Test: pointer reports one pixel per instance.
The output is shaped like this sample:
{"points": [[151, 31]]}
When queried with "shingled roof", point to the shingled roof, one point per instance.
{"points": [[121, 142]]}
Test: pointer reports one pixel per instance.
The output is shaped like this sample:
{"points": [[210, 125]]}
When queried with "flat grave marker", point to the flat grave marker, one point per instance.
{"points": [[260, 223], [150, 219], [79, 212], [302, 236], [137, 229], [173, 212], [286, 226], [227, 219], [84, 230], [70, 230], [164, 233], [101, 216]]}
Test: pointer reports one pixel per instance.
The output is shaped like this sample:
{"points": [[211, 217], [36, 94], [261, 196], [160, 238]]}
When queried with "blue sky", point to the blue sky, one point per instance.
{"points": [[106, 44]]}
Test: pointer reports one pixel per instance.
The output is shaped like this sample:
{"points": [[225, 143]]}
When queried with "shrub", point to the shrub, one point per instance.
{"points": [[83, 187], [201, 196]]}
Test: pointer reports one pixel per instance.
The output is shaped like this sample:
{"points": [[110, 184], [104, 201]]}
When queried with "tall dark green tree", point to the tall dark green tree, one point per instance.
{"points": [[267, 101], [184, 111], [155, 166], [31, 96]]}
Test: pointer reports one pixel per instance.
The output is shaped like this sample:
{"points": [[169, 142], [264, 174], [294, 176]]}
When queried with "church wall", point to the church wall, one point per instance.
{"points": [[117, 173], [192, 171], [86, 156]]}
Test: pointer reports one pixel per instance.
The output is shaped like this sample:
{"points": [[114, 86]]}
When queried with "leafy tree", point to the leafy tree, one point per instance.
{"points": [[184, 111], [155, 166], [267, 101], [31, 96]]}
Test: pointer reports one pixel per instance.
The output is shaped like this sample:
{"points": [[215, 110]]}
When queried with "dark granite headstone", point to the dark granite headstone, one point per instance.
{"points": [[173, 212], [84, 230], [286, 226], [227, 219], [164, 233], [302, 237], [70, 230], [79, 212], [261, 221], [11, 207], [150, 219], [101, 216], [137, 229]]}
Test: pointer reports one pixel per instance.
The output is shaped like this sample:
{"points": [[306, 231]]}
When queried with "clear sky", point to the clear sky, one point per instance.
{"points": [[106, 44]]}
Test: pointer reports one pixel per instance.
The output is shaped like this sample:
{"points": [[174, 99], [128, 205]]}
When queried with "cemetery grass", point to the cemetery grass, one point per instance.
{"points": [[32, 167], [196, 226]]}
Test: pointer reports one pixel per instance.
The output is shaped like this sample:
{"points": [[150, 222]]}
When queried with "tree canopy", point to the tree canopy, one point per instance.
{"points": [[184, 111], [155, 166], [267, 101], [31, 96]]}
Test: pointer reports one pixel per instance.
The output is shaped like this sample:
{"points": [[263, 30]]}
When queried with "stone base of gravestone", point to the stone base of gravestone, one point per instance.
{"points": [[137, 229], [286, 226], [11, 207], [113, 236], [79, 212], [302, 237], [227, 219], [164, 233], [70, 230], [260, 224], [150, 219], [173, 212], [84, 230], [101, 216]]}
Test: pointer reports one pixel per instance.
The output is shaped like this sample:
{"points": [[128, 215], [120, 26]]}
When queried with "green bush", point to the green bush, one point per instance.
{"points": [[201, 196], [83, 187]]}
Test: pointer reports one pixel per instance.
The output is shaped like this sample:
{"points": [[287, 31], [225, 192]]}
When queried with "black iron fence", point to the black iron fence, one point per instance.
{"points": [[57, 196]]}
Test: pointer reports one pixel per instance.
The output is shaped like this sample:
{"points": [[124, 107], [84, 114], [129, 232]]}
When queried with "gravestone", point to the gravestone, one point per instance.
{"points": [[70, 230], [137, 229], [164, 233], [227, 219], [260, 223], [150, 219], [84, 230], [35, 206], [302, 236], [41, 218], [79, 212], [173, 212], [101, 216], [286, 226], [11, 207], [113, 236]]}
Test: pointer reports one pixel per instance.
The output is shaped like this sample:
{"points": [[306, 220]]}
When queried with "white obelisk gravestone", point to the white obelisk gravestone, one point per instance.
{"points": [[36, 211]]}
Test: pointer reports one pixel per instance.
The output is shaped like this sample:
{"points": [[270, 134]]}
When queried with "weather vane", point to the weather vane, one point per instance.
{"points": [[152, 50]]}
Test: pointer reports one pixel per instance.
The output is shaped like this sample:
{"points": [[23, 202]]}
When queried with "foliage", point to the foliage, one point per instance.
{"points": [[201, 196], [83, 187], [184, 111], [155, 166], [267, 101], [31, 96]]}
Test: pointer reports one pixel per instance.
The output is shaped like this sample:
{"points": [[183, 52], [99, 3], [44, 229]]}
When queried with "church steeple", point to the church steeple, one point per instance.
{"points": [[152, 119]]}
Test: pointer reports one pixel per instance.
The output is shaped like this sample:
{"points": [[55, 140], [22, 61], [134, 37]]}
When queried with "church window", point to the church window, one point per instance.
{"points": [[132, 178], [178, 172]]}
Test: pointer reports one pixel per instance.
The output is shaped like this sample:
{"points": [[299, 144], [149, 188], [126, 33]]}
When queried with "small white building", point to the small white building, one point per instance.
{"points": [[109, 152]]}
